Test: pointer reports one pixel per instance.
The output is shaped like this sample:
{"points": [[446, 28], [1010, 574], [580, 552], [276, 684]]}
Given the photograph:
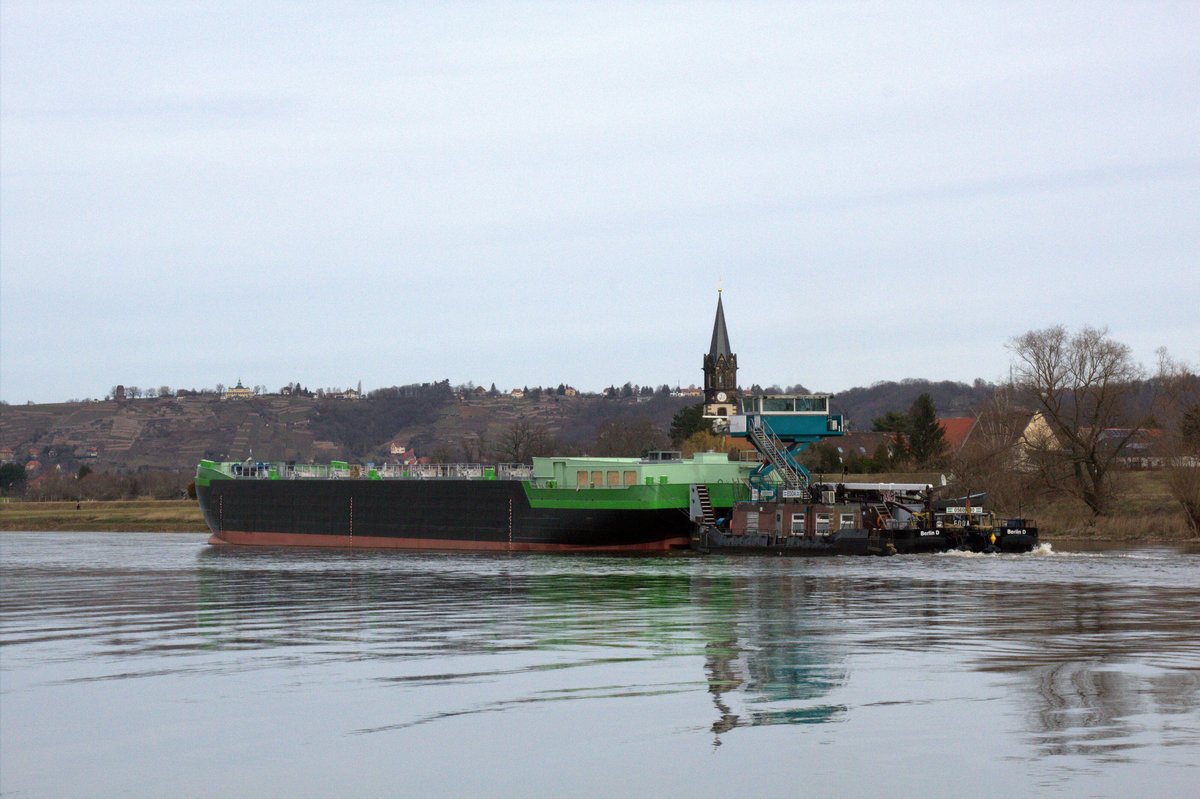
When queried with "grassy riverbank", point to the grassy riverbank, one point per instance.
{"points": [[133, 516], [1143, 512]]}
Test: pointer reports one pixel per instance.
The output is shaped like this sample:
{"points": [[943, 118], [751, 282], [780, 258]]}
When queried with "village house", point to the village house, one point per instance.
{"points": [[956, 430], [401, 452], [1140, 449]]}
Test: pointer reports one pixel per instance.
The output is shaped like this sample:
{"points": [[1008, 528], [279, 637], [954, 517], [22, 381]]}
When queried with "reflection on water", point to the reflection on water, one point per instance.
{"points": [[777, 667], [1086, 664]]}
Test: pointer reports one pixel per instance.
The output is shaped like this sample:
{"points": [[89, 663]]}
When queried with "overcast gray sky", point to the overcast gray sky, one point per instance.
{"points": [[535, 193]]}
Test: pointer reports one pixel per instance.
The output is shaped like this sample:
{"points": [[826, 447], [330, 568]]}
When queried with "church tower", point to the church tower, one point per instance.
{"points": [[720, 371]]}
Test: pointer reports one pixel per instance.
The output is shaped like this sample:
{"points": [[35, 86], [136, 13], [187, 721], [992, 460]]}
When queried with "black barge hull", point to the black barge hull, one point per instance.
{"points": [[862, 541], [433, 514]]}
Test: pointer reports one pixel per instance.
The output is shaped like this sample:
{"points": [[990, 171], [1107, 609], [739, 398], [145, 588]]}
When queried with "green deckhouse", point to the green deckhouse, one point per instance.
{"points": [[660, 480]]}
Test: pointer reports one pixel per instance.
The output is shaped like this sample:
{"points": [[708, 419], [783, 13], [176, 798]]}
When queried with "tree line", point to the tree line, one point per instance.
{"points": [[92, 484]]}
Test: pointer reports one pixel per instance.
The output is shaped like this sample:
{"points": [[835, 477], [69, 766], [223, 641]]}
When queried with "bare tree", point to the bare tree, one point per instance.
{"points": [[473, 448], [521, 441], [1082, 384], [628, 437], [1179, 415]]}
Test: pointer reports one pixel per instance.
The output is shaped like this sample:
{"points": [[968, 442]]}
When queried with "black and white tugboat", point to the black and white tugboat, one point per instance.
{"points": [[789, 513]]}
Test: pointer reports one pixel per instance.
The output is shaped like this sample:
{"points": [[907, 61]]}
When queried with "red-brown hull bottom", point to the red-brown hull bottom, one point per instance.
{"points": [[383, 542]]}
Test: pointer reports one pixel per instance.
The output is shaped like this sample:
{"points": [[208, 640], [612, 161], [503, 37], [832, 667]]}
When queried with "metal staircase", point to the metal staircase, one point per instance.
{"points": [[778, 455], [780, 426], [701, 505]]}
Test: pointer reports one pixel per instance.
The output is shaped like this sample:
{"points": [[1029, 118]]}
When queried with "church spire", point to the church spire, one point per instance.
{"points": [[720, 336], [720, 371]]}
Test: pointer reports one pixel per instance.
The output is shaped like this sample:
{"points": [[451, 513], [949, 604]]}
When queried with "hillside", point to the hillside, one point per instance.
{"points": [[861, 405], [157, 433], [176, 432]]}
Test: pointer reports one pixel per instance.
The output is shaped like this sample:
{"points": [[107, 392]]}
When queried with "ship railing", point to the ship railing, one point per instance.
{"points": [[444, 471], [514, 471], [242, 470], [386, 471], [472, 471], [313, 471], [282, 471]]}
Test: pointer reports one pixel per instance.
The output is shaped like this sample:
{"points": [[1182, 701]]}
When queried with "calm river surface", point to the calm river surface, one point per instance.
{"points": [[154, 665]]}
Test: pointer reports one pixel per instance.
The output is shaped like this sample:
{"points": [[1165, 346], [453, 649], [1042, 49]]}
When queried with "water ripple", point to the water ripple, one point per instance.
{"points": [[1091, 661]]}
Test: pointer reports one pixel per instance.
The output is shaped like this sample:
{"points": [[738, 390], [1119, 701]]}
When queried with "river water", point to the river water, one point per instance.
{"points": [[154, 665]]}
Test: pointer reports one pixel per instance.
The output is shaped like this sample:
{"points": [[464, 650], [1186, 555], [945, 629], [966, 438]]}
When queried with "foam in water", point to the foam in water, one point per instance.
{"points": [[1041, 549], [960, 553]]}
